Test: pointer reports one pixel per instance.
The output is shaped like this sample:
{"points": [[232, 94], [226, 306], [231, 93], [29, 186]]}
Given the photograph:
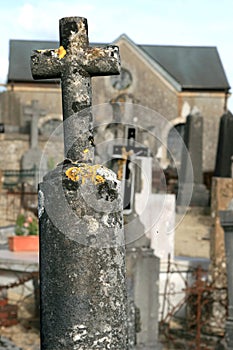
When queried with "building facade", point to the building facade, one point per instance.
{"points": [[171, 80]]}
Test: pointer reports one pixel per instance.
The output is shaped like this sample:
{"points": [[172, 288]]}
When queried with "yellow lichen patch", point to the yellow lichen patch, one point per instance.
{"points": [[86, 150], [99, 179], [61, 52], [85, 172], [73, 173]]}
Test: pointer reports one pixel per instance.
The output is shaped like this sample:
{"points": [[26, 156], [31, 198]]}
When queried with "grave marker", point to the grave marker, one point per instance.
{"points": [[82, 254], [225, 146], [31, 159], [193, 141], [226, 218], [33, 112], [142, 266]]}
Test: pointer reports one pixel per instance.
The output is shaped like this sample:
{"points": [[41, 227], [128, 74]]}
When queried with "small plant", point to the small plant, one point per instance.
{"points": [[26, 225]]}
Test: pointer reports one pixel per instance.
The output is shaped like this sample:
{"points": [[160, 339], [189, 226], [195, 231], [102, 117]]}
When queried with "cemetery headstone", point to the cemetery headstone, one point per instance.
{"points": [[2, 128], [142, 266], [221, 195], [82, 254], [193, 141], [232, 166], [226, 217], [32, 158], [225, 146]]}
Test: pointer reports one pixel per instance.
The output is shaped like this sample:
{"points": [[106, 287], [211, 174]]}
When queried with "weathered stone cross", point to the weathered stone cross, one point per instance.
{"points": [[82, 249], [75, 62]]}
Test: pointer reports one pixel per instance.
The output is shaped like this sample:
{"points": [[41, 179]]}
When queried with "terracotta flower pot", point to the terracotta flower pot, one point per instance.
{"points": [[23, 243]]}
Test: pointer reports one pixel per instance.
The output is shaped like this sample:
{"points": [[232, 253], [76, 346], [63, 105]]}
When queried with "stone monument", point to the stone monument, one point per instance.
{"points": [[193, 135], [225, 146], [82, 253], [142, 266], [32, 158], [226, 217]]}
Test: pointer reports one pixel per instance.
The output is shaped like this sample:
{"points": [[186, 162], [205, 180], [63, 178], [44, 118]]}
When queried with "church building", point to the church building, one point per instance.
{"points": [[170, 80]]}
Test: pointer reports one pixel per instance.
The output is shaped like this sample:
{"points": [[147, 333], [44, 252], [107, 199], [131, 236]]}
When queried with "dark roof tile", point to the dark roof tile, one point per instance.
{"points": [[193, 67]]}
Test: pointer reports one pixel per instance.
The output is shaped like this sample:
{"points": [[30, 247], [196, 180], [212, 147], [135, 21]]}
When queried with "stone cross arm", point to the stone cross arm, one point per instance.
{"points": [[75, 53], [97, 61]]}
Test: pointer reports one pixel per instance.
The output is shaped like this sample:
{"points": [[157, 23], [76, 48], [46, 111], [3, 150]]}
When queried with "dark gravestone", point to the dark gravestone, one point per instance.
{"points": [[2, 128], [82, 253], [193, 176], [226, 218], [225, 146]]}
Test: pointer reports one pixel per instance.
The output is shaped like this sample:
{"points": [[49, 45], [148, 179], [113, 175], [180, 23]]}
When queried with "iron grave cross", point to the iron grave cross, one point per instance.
{"points": [[75, 62]]}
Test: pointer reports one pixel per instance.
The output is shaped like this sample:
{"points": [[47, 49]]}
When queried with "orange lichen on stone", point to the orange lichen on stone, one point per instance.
{"points": [[85, 172], [73, 173], [61, 52], [99, 179]]}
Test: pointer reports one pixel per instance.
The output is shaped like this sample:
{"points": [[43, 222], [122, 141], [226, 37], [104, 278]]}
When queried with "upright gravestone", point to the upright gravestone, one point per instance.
{"points": [[226, 217], [193, 141], [82, 254], [225, 146], [31, 159], [221, 194], [142, 266]]}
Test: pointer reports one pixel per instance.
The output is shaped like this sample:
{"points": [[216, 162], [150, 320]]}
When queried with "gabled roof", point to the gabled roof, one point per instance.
{"points": [[19, 58], [188, 67], [193, 67]]}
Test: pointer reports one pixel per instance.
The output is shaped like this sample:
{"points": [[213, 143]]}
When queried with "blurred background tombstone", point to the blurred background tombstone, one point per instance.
{"points": [[226, 217], [225, 146], [32, 158], [193, 135]]}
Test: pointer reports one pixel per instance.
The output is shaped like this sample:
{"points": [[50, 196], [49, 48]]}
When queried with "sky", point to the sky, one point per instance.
{"points": [[157, 22]]}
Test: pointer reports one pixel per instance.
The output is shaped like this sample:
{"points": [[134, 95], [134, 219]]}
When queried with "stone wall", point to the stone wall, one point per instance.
{"points": [[13, 146], [13, 101]]}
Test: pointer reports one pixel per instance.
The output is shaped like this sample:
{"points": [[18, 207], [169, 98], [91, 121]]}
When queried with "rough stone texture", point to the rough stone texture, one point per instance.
{"points": [[82, 255], [83, 296], [6, 344], [75, 63]]}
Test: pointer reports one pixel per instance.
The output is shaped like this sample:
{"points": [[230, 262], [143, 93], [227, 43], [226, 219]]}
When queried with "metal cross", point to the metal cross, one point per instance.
{"points": [[75, 62], [126, 167]]}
